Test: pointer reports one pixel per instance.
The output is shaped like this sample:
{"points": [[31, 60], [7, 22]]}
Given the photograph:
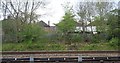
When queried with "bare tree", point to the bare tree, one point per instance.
{"points": [[82, 11], [21, 12], [102, 8], [19, 9], [90, 13]]}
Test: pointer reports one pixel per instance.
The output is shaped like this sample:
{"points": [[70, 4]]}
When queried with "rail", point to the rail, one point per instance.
{"points": [[57, 52]]}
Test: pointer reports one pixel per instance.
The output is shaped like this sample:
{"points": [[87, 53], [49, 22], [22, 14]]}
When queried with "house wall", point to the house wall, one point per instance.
{"points": [[50, 29], [88, 29]]}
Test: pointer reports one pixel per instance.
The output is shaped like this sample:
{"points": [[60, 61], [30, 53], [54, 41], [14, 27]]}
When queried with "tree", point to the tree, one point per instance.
{"points": [[102, 9], [113, 24], [67, 24], [19, 15], [97, 11], [114, 28], [9, 30], [90, 13], [32, 32], [85, 11], [82, 10]]}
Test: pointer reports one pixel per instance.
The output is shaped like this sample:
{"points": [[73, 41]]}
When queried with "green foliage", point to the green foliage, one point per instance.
{"points": [[9, 28], [96, 38], [39, 46], [107, 25], [100, 23], [116, 32], [76, 38], [34, 37], [14, 31], [35, 46], [32, 31], [114, 42], [114, 29], [67, 24]]}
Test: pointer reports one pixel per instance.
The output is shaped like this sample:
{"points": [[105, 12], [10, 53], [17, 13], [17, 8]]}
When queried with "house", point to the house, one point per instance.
{"points": [[88, 28], [43, 24], [47, 27], [79, 27]]}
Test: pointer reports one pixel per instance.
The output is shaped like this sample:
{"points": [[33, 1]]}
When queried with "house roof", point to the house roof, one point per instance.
{"points": [[42, 23]]}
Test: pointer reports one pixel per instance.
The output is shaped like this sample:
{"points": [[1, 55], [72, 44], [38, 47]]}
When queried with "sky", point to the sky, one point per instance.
{"points": [[54, 10]]}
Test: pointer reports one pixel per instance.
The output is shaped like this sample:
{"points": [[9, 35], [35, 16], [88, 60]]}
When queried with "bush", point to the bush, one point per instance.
{"points": [[95, 39], [114, 42], [102, 37], [31, 32], [14, 31], [76, 38], [9, 30], [70, 38], [116, 32]]}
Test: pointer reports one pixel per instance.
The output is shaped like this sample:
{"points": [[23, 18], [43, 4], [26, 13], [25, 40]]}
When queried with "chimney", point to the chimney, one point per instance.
{"points": [[48, 23]]}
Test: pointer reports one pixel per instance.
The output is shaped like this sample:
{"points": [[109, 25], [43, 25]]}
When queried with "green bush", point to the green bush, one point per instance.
{"points": [[102, 37], [9, 28], [94, 38], [31, 32], [14, 31], [114, 42], [116, 32], [76, 38]]}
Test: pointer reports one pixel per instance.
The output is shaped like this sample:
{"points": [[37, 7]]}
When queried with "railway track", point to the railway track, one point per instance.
{"points": [[62, 56], [45, 54], [56, 52], [74, 59]]}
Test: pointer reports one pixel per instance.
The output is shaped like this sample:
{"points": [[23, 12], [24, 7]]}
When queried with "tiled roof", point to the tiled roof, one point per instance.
{"points": [[42, 23]]}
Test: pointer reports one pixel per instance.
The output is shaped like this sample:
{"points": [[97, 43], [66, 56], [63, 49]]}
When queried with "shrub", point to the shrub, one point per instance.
{"points": [[95, 39], [76, 38], [114, 42], [31, 32]]}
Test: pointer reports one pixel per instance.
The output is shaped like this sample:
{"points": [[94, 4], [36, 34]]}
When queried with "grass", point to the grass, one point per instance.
{"points": [[39, 46], [36, 46], [98, 46]]}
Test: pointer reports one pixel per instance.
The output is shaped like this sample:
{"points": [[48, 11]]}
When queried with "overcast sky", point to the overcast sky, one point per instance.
{"points": [[54, 10]]}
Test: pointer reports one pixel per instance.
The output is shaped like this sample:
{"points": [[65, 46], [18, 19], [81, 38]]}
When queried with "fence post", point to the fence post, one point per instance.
{"points": [[79, 59], [31, 59], [101, 61]]}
